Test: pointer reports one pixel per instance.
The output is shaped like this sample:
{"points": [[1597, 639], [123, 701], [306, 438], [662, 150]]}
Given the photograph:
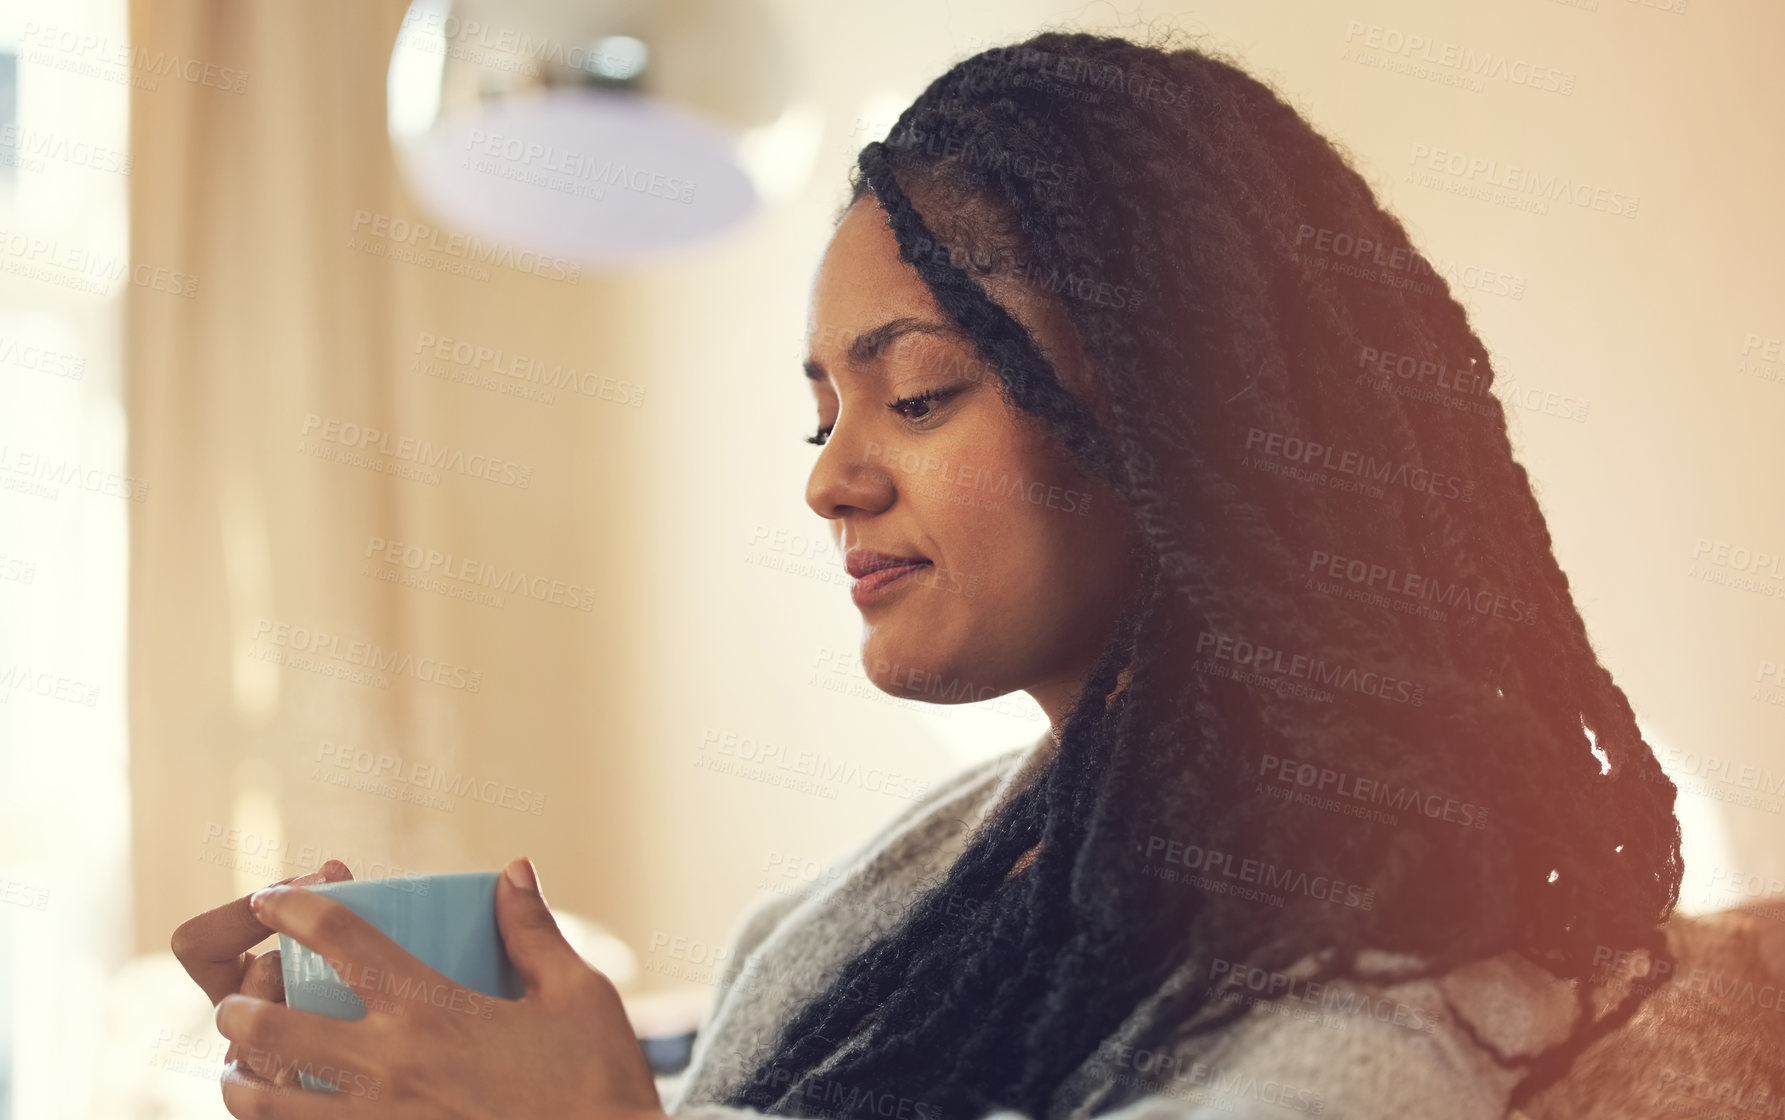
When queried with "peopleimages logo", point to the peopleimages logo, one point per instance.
{"points": [[43, 475], [84, 269], [86, 53], [770, 756], [408, 449], [1461, 379], [420, 235], [1516, 181], [511, 157], [1312, 455], [1008, 264], [1324, 780], [1097, 78], [1167, 1073], [505, 578], [1415, 587], [39, 358], [975, 479], [15, 570], [24, 895], [974, 150], [509, 368], [1740, 559], [1463, 59], [37, 144], [321, 651], [1340, 243], [386, 772], [1270, 661], [1218, 865], [21, 678]]}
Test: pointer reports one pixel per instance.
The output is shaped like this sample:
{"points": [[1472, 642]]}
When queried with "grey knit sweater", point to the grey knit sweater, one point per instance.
{"points": [[1342, 1049]]}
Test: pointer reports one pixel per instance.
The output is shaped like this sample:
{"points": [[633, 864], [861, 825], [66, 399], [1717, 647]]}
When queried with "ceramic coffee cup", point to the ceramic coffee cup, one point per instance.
{"points": [[448, 922]]}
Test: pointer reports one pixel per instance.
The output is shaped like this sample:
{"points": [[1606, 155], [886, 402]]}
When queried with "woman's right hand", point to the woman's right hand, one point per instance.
{"points": [[213, 948]]}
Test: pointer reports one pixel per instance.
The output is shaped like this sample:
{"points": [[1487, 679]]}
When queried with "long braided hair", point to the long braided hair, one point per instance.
{"points": [[1348, 590]]}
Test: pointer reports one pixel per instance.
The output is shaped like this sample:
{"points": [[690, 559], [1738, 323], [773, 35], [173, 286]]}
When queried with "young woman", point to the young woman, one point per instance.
{"points": [[1338, 813]]}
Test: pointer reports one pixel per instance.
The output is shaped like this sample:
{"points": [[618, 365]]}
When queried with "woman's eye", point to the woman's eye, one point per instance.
{"points": [[916, 408], [925, 403]]}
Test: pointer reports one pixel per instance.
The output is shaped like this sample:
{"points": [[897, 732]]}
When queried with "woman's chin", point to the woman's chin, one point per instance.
{"points": [[917, 669]]}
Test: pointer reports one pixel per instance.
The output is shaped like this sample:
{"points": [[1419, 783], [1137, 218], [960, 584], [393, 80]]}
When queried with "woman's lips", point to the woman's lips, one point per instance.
{"points": [[876, 583]]}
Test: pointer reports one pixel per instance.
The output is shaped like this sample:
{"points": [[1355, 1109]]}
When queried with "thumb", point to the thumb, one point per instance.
{"points": [[529, 932]]}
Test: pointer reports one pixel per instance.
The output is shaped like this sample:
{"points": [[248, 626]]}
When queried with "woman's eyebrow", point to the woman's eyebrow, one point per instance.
{"points": [[869, 345]]}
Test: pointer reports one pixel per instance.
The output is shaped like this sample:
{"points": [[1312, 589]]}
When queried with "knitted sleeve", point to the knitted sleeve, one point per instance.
{"points": [[1365, 1052], [1348, 1049], [1351, 1049]]}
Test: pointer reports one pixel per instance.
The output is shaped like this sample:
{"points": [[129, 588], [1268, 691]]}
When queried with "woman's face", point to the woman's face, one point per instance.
{"points": [[1021, 562]]}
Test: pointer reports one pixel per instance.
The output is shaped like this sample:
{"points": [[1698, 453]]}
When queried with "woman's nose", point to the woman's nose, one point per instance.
{"points": [[847, 477]]}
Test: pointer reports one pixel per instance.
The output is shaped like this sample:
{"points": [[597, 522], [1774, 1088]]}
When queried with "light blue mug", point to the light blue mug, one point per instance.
{"points": [[448, 922]]}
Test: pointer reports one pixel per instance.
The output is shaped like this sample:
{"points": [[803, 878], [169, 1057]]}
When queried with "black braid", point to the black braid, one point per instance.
{"points": [[1183, 188]]}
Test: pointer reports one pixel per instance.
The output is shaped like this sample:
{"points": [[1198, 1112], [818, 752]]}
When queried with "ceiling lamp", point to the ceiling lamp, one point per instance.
{"points": [[602, 131]]}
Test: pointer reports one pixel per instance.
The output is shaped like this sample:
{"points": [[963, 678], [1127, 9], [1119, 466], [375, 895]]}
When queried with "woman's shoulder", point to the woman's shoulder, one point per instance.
{"points": [[1512, 1003], [1375, 1044], [1505, 1002], [1452, 1044], [1710, 1027]]}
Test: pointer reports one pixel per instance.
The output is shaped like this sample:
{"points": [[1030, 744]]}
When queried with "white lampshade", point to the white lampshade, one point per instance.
{"points": [[602, 132]]}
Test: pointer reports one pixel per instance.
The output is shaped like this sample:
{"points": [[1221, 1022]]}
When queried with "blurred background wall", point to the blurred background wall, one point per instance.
{"points": [[683, 610]]}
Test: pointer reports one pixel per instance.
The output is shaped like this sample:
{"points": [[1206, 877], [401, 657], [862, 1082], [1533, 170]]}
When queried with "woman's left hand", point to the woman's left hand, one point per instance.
{"points": [[565, 1050]]}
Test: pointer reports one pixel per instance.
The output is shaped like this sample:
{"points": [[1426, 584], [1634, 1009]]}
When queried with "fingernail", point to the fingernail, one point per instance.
{"points": [[522, 875], [306, 880], [259, 897]]}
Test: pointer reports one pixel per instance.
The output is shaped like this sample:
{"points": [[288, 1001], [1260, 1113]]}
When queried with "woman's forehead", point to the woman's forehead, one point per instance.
{"points": [[861, 283]]}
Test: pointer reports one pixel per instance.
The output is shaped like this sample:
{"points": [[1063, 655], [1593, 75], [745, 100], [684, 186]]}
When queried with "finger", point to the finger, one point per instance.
{"points": [[362, 956], [239, 1070], [284, 1077], [246, 1094], [270, 1037], [287, 1076], [530, 935], [213, 947], [265, 978], [249, 980]]}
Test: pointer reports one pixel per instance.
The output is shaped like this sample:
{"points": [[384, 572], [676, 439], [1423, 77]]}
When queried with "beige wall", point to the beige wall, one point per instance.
{"points": [[257, 195], [671, 512]]}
